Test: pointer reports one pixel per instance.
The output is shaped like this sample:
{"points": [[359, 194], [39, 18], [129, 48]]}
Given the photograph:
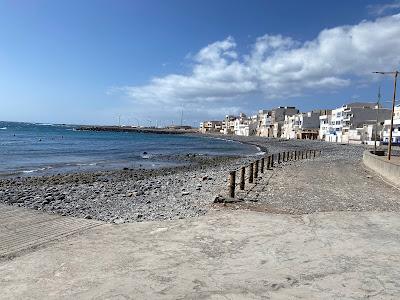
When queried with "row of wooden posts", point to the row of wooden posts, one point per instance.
{"points": [[259, 166]]}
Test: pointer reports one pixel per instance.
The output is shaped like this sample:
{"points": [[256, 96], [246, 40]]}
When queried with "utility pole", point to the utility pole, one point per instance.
{"points": [[119, 121], [395, 73], [377, 117], [181, 116]]}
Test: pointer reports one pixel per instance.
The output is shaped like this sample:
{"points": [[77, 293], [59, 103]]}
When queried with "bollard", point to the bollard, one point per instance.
{"points": [[256, 169], [288, 156], [283, 156], [272, 160], [306, 154], [242, 176], [291, 155], [295, 155], [314, 153], [279, 158], [302, 154], [262, 165], [269, 162], [251, 170], [232, 176]]}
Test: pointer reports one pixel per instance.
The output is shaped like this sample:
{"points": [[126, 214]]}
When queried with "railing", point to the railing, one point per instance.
{"points": [[259, 166]]}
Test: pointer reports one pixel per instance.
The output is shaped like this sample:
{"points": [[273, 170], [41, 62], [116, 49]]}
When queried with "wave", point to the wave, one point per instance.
{"points": [[3, 128], [34, 170], [45, 124], [86, 164]]}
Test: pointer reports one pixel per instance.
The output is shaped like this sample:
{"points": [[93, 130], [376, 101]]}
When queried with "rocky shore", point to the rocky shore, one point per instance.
{"points": [[136, 195]]}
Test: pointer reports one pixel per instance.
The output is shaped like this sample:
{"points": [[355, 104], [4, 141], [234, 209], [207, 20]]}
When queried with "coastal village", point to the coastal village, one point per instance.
{"points": [[353, 123]]}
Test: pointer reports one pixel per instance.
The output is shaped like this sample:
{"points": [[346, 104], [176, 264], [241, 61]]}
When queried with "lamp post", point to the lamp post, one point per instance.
{"points": [[395, 73], [377, 118]]}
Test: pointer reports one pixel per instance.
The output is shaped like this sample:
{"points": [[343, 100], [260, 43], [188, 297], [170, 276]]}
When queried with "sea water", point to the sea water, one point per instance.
{"points": [[37, 149]]}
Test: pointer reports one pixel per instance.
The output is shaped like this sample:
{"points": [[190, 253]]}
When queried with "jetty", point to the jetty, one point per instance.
{"points": [[167, 130]]}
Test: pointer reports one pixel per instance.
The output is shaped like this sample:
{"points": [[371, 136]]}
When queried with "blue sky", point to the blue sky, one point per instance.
{"points": [[88, 62]]}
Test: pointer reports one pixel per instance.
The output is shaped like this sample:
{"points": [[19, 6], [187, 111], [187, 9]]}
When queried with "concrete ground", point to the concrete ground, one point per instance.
{"points": [[224, 255], [24, 229]]}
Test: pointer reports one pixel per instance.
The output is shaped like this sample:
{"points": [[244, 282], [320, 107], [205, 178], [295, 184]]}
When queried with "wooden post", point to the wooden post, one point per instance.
{"points": [[288, 156], [283, 156], [295, 155], [251, 170], [242, 176], [232, 177], [272, 160], [306, 154], [302, 154], [279, 158], [291, 156], [269, 162], [256, 169], [262, 164]]}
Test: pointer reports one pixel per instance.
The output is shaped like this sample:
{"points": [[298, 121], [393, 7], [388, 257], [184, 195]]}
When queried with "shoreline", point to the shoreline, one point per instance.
{"points": [[131, 195]]}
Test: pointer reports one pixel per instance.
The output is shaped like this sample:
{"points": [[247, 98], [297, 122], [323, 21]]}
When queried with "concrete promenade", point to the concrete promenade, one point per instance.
{"points": [[224, 255]]}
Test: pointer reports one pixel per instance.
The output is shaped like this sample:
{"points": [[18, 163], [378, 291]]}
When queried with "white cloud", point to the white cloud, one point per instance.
{"points": [[380, 9], [276, 67]]}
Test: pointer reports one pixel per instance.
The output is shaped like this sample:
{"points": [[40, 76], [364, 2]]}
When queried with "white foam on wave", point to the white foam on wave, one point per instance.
{"points": [[86, 164], [45, 124], [3, 128], [35, 170]]}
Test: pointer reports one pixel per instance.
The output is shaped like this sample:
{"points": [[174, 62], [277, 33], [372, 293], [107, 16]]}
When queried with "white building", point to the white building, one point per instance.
{"points": [[245, 126], [264, 127], [349, 123], [324, 125], [210, 126], [301, 126], [396, 128]]}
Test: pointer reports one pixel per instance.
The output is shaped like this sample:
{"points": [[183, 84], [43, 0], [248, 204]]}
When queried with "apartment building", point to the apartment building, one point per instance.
{"points": [[348, 122], [245, 126], [278, 118], [264, 123], [210, 126], [302, 125], [396, 128]]}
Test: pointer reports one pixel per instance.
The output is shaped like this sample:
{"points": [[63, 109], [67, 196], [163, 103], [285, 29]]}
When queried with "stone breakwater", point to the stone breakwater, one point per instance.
{"points": [[138, 129], [136, 195]]}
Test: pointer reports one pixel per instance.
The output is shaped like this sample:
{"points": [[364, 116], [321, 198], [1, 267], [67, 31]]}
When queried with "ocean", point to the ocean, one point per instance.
{"points": [[42, 149]]}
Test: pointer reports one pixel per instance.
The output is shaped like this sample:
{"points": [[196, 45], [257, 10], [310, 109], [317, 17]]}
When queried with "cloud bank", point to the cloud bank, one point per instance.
{"points": [[276, 67]]}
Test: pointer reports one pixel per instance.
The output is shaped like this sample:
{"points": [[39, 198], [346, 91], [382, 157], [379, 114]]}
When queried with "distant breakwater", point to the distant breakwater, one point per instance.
{"points": [[138, 130]]}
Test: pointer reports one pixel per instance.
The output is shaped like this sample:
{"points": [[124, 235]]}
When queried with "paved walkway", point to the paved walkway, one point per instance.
{"points": [[223, 255], [22, 229]]}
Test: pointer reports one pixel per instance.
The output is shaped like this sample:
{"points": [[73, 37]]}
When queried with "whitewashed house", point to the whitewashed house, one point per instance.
{"points": [[396, 128]]}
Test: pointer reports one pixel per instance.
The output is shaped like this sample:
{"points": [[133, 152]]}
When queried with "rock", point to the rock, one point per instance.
{"points": [[204, 178], [219, 199], [119, 221], [89, 217], [185, 193]]}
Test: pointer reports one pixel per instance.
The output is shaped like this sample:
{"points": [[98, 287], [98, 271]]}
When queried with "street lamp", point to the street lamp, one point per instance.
{"points": [[395, 73]]}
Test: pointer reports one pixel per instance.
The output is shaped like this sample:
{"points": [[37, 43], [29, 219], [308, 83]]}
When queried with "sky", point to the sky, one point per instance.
{"points": [[149, 62]]}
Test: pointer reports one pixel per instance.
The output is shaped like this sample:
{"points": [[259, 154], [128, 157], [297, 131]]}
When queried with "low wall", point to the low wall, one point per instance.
{"points": [[389, 169]]}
